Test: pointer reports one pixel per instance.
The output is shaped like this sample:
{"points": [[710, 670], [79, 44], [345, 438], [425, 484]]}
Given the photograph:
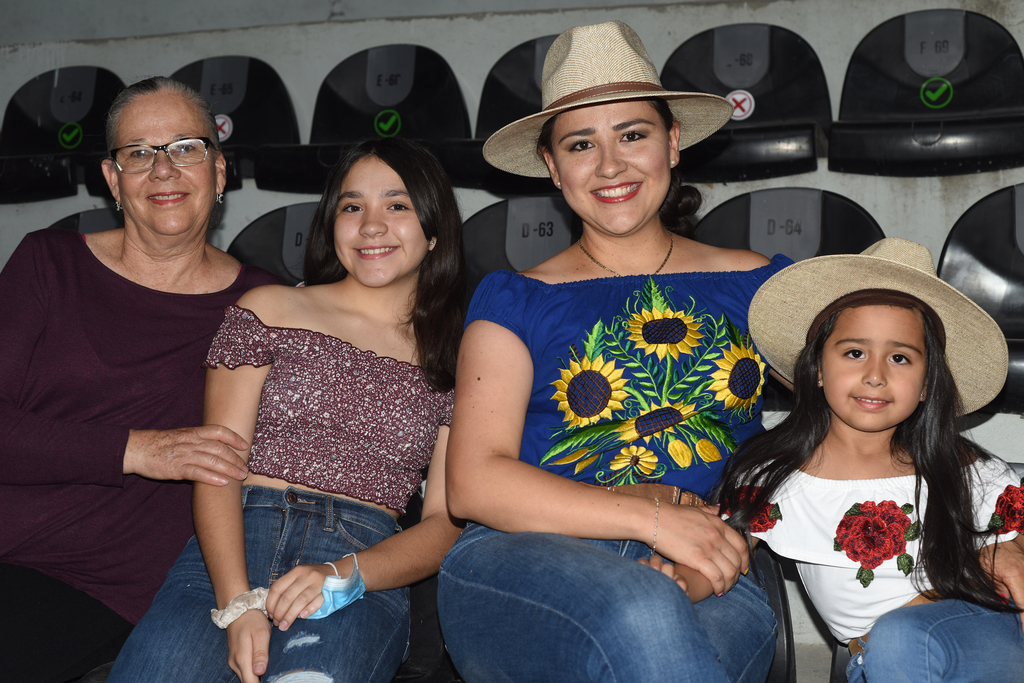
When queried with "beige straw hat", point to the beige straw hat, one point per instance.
{"points": [[594, 64], [784, 307]]}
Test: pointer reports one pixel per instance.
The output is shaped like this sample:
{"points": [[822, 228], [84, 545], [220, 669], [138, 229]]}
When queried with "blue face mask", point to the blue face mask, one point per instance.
{"points": [[339, 592]]}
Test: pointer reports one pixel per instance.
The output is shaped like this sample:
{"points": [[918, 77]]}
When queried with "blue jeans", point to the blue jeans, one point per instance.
{"points": [[538, 607], [950, 640], [177, 641]]}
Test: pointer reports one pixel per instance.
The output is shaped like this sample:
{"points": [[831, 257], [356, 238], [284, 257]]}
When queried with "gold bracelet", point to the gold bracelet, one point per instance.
{"points": [[657, 509]]}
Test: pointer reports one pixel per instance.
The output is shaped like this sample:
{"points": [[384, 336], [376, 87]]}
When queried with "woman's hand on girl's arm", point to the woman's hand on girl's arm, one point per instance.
{"points": [[248, 646], [489, 484], [206, 454]]}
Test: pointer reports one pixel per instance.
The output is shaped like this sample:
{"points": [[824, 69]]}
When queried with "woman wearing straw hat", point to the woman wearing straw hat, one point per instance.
{"points": [[598, 396]]}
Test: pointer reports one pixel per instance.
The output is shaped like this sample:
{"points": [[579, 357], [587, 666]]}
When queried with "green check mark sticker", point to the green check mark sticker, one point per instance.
{"points": [[387, 123], [70, 135], [936, 93]]}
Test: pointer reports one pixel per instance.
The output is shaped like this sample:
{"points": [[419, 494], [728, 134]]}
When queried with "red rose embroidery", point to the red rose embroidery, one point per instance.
{"points": [[766, 517], [872, 533], [1009, 515]]}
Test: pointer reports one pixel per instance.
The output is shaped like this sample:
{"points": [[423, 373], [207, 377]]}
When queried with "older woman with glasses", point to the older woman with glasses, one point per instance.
{"points": [[101, 384]]}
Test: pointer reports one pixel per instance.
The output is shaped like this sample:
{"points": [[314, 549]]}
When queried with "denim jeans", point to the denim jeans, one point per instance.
{"points": [[536, 607], [950, 641], [177, 641]]}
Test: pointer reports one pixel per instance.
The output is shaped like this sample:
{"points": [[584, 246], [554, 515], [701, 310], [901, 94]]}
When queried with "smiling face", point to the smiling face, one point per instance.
{"points": [[167, 200], [873, 368], [613, 163], [377, 234]]}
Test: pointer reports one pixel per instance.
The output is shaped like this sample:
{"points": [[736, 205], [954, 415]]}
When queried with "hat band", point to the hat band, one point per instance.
{"points": [[606, 89], [878, 297]]}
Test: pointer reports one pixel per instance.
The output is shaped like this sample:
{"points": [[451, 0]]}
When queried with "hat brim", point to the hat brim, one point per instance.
{"points": [[784, 307], [514, 147]]}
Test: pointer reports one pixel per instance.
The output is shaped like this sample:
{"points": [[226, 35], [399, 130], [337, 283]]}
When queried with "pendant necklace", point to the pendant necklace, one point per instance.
{"points": [[671, 244]]}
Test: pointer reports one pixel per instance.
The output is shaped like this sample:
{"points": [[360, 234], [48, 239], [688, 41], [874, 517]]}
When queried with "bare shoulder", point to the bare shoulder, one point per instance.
{"points": [[715, 259], [273, 303]]}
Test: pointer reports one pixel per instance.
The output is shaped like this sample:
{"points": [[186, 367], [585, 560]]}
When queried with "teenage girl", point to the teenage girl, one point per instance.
{"points": [[344, 390], [899, 525]]}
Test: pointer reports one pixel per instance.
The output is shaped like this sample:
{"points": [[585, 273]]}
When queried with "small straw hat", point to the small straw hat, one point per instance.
{"points": [[784, 307], [595, 64]]}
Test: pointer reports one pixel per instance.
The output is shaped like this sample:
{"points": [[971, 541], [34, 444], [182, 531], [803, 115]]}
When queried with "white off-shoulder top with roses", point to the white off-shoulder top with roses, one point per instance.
{"points": [[855, 542]]}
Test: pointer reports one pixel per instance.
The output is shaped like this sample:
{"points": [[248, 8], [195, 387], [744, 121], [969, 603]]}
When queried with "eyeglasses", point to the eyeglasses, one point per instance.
{"points": [[142, 158]]}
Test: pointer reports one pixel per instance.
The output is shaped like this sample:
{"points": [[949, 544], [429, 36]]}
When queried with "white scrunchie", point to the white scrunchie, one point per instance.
{"points": [[254, 599]]}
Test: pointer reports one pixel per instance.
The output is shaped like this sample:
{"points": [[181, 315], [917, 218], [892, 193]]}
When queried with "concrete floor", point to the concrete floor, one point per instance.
{"points": [[813, 662]]}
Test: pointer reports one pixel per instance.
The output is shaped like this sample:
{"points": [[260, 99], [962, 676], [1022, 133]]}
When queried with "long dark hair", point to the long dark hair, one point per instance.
{"points": [[438, 310], [681, 202], [929, 439]]}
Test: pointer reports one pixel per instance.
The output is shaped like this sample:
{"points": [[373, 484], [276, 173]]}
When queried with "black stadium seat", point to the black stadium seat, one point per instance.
{"points": [[405, 90], [932, 93], [982, 258], [252, 107], [54, 126], [776, 83], [93, 220], [516, 234], [511, 91], [276, 241]]}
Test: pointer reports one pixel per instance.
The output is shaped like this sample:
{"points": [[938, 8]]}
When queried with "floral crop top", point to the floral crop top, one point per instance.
{"points": [[638, 378], [855, 542], [332, 416]]}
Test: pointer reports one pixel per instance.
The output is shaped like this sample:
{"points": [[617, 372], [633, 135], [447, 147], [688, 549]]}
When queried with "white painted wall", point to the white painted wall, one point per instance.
{"points": [[921, 209]]}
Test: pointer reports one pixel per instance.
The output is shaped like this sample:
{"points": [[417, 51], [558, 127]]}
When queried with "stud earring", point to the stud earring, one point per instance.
{"points": [[558, 183], [820, 383], [672, 163], [117, 206], [220, 197], [433, 241]]}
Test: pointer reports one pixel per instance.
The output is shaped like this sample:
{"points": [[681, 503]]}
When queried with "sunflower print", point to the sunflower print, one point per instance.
{"points": [[739, 378], [658, 388], [643, 459], [589, 391], [655, 421], [664, 332]]}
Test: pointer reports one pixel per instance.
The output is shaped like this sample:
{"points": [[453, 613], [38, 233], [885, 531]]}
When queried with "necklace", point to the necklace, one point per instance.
{"points": [[671, 244]]}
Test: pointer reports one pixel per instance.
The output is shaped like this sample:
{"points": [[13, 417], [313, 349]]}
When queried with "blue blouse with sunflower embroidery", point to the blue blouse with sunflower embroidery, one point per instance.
{"points": [[636, 379]]}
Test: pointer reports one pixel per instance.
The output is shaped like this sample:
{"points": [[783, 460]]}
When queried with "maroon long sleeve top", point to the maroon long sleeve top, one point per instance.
{"points": [[86, 355]]}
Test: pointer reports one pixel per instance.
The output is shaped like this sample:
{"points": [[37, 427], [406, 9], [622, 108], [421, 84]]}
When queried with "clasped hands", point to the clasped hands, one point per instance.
{"points": [[699, 551]]}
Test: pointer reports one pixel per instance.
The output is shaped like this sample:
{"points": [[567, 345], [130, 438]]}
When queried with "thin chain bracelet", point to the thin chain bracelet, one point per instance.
{"points": [[657, 509]]}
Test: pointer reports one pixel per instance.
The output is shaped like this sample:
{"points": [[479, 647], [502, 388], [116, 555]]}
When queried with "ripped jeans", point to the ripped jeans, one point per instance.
{"points": [[366, 641]]}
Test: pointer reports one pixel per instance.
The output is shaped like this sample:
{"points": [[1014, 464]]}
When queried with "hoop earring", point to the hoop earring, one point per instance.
{"points": [[220, 197], [117, 206]]}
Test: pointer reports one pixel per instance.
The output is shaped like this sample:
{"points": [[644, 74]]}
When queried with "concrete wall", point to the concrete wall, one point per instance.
{"points": [[921, 209]]}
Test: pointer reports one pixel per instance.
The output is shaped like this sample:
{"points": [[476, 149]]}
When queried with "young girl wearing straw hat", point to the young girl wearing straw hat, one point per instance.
{"points": [[597, 398], [893, 517]]}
